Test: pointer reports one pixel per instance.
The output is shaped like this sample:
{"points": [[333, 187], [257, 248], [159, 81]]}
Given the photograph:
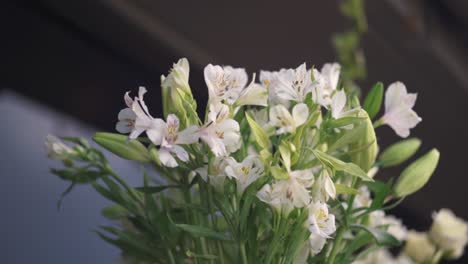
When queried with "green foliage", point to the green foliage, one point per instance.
{"points": [[373, 101]]}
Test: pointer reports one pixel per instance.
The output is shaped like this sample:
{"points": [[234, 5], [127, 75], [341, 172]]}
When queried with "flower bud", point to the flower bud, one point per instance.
{"points": [[121, 146], [416, 175], [419, 247], [56, 149], [366, 144], [449, 233], [399, 152], [177, 96]]}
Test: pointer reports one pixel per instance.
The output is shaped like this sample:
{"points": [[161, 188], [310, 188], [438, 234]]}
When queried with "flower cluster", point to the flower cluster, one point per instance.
{"points": [[279, 170]]}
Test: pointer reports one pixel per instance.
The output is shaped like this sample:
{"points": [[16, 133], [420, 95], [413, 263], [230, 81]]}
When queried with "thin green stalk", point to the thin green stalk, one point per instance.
{"points": [[243, 253], [214, 223], [437, 256], [336, 245], [171, 257], [342, 229]]}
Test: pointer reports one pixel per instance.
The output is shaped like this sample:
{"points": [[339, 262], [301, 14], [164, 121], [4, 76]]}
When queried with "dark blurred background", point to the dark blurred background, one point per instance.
{"points": [[78, 58]]}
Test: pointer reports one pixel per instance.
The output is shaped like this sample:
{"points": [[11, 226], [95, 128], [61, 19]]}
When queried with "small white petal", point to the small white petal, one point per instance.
{"points": [[300, 113], [167, 159], [189, 135], [156, 131], [180, 152]]}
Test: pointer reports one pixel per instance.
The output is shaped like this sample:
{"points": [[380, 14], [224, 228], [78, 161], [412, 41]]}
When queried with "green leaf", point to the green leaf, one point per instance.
{"points": [[278, 173], [343, 189], [285, 155], [344, 121], [399, 152], [340, 165], [155, 189], [417, 174], [381, 237], [259, 134], [348, 137], [200, 231], [373, 101], [114, 212], [121, 146]]}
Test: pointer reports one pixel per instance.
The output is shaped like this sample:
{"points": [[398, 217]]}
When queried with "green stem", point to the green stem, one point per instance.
{"points": [[378, 123], [214, 222], [336, 245], [171, 257], [437, 256], [243, 253]]}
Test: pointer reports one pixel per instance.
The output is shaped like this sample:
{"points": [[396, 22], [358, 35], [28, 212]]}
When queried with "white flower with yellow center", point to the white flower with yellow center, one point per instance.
{"points": [[285, 121], [220, 133], [271, 81], [294, 84], [399, 114], [325, 83], [321, 225], [135, 119], [169, 138], [245, 172], [289, 193], [229, 84]]}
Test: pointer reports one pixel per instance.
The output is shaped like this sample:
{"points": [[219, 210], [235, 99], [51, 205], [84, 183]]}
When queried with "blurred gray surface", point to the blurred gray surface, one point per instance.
{"points": [[32, 229]]}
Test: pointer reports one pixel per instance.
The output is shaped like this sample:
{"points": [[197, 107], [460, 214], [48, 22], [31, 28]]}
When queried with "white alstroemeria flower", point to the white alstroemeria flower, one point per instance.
{"points": [[179, 76], [323, 188], [267, 195], [271, 81], [254, 94], [325, 83], [287, 194], [56, 149], [294, 84], [338, 103], [320, 222], [220, 133], [135, 119], [321, 225], [228, 84], [394, 225], [217, 174], [287, 123], [293, 192], [169, 138], [399, 114], [449, 233], [363, 198], [245, 172]]}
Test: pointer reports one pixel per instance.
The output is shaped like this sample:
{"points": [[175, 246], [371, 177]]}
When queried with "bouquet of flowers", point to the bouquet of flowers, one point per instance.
{"points": [[276, 171]]}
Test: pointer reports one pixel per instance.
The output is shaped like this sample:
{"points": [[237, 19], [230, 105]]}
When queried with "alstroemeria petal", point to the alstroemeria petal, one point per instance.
{"points": [[300, 113], [180, 152], [188, 136], [166, 158], [156, 130], [338, 104]]}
